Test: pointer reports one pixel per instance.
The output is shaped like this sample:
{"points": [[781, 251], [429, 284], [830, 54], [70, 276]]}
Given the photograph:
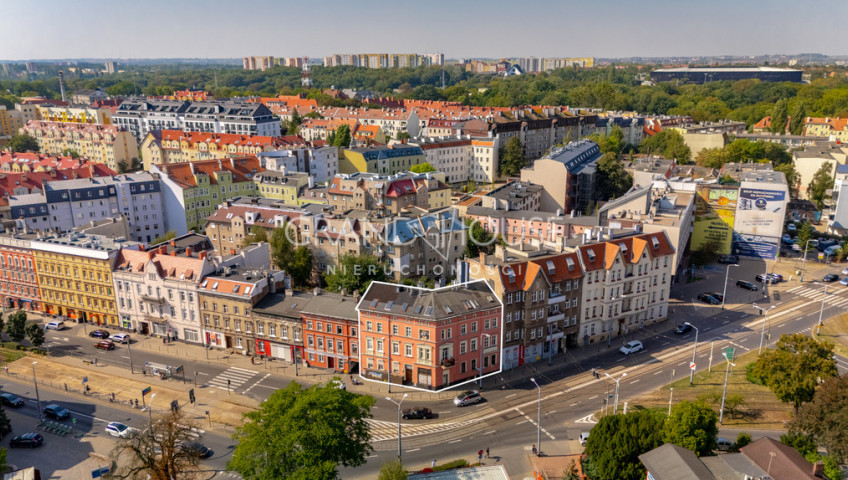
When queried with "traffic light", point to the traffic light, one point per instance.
{"points": [[191, 396]]}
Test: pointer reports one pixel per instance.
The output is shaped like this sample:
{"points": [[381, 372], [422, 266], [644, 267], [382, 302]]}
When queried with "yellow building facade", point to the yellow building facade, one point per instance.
{"points": [[107, 144], [97, 116]]}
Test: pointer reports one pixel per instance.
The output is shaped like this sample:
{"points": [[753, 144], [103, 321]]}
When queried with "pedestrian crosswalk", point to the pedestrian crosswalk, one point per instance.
{"points": [[835, 294], [382, 430], [232, 378]]}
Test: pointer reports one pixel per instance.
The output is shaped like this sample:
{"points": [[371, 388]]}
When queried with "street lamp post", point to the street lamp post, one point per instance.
{"points": [[398, 405], [37, 398], [615, 407], [129, 352], [150, 410], [804, 263], [821, 312], [724, 294], [670, 396], [694, 351], [765, 321], [538, 418], [724, 394]]}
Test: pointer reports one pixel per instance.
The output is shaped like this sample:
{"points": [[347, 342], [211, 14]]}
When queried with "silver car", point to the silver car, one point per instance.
{"points": [[468, 397]]}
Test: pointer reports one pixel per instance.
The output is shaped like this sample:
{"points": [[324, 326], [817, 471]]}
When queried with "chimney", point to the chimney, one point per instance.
{"points": [[163, 250], [188, 251], [232, 251], [202, 255], [356, 295], [173, 243], [818, 470], [174, 253]]}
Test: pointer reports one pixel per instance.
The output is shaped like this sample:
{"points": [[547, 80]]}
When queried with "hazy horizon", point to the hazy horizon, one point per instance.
{"points": [[97, 29]]}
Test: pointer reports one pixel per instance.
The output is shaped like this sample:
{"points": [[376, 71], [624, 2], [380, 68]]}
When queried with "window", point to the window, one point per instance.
{"points": [[408, 350]]}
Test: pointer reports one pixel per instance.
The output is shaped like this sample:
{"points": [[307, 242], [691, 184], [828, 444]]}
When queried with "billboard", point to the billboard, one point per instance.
{"points": [[761, 212], [715, 211], [756, 246]]}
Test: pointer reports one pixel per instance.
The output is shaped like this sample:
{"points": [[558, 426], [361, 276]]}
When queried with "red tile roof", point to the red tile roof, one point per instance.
{"points": [[243, 169], [221, 139]]}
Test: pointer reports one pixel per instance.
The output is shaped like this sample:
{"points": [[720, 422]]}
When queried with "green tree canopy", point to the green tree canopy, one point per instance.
{"points": [[422, 168], [392, 471], [356, 272], [23, 143], [285, 255], [5, 426], [618, 440], [164, 237], [805, 233], [825, 418], [779, 116], [478, 239], [796, 121], [793, 369], [300, 267], [692, 425], [35, 334], [821, 182], [16, 326], [613, 179], [303, 434], [341, 137], [793, 178], [511, 158], [667, 143], [155, 452], [257, 234]]}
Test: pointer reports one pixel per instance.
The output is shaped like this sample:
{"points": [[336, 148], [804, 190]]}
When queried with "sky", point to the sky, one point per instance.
{"points": [[57, 29]]}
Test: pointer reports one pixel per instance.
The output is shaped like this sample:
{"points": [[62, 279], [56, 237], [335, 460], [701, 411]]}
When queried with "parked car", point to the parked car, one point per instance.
{"points": [[56, 411], [830, 277], [55, 325], [776, 276], [796, 247], [468, 397], [728, 259], [844, 282], [104, 345], [814, 243], [631, 347], [824, 244], [723, 445], [118, 429], [707, 298], [845, 271], [786, 238], [99, 334], [768, 278], [198, 449], [120, 337], [791, 228], [584, 437], [746, 285], [682, 328], [717, 296], [11, 400], [417, 412], [27, 440], [831, 250]]}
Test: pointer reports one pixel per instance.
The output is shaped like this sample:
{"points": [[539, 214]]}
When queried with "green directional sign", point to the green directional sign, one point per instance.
{"points": [[728, 353]]}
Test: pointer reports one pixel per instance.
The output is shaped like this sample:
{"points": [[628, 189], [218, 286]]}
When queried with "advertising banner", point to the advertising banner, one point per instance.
{"points": [[756, 246], [715, 209], [760, 212]]}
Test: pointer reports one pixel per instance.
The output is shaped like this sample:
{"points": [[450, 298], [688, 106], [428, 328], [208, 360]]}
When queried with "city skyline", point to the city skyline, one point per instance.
{"points": [[471, 29]]}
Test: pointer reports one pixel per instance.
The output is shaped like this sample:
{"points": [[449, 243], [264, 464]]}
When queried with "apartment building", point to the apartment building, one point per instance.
{"points": [[231, 223], [75, 275], [18, 278], [279, 316], [282, 185], [429, 339], [141, 116], [177, 146], [514, 195], [387, 160], [626, 285], [74, 114], [321, 163], [107, 144], [533, 228], [427, 245], [388, 193], [193, 190], [809, 160], [331, 329], [568, 176], [227, 299], [541, 291], [10, 122], [451, 156], [259, 63]]}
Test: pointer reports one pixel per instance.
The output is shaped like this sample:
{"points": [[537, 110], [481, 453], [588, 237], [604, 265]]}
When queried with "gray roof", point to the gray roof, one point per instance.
{"points": [[403, 230], [514, 189], [732, 466], [282, 305], [427, 304], [670, 462], [528, 215], [634, 192], [332, 305]]}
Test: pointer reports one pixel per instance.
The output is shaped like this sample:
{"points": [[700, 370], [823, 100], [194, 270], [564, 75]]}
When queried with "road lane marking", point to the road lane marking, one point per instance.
{"points": [[512, 395], [413, 450]]}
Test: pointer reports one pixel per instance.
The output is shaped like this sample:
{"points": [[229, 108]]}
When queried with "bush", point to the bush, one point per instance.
{"points": [[10, 345], [742, 440], [451, 465]]}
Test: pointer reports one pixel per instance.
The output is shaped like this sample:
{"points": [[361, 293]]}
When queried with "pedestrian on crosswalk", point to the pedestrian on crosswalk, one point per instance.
{"points": [[434, 463], [487, 452]]}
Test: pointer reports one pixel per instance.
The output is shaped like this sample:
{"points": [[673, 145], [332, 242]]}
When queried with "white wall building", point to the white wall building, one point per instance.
{"points": [[320, 163]]}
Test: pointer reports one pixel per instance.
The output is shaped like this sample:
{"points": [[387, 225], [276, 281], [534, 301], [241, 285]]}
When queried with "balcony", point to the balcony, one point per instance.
{"points": [[448, 362], [556, 318], [555, 297]]}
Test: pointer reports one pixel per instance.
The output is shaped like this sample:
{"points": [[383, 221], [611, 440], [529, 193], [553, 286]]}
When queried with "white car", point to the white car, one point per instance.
{"points": [[845, 271], [117, 429], [55, 325], [796, 247], [631, 347], [120, 338], [791, 227]]}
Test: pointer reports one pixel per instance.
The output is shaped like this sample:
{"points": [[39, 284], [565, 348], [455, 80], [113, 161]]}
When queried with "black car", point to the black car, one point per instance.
{"points": [[682, 328], [746, 285], [56, 411], [728, 259], [11, 400], [27, 440], [198, 449], [718, 296], [707, 298], [417, 412], [769, 278], [830, 277], [99, 334]]}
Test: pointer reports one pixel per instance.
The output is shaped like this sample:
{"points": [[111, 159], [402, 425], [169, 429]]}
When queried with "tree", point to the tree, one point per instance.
{"points": [[825, 418], [692, 425], [571, 472], [613, 179], [708, 253], [70, 152], [793, 370], [133, 166], [392, 471], [478, 240], [779, 116], [303, 434], [742, 440], [796, 120], [5, 426], [669, 144], [257, 234], [618, 440], [292, 126], [422, 168], [356, 272], [732, 402], [511, 158], [16, 326], [805, 233], [300, 268], [156, 452], [821, 182], [23, 143], [164, 237], [35, 334], [793, 179], [341, 137], [401, 136]]}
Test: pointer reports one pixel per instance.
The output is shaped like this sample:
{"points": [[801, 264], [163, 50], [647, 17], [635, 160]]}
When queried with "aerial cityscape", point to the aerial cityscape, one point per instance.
{"points": [[450, 241]]}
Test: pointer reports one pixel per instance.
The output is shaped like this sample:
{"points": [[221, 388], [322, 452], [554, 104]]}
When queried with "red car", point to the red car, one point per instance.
{"points": [[105, 345]]}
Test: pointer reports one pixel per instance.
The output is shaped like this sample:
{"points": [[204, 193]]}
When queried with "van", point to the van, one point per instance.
{"points": [[724, 445], [583, 438]]}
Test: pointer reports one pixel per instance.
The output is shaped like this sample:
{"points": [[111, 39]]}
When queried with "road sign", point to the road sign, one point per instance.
{"points": [[84, 379], [146, 391], [99, 472], [728, 353], [180, 369], [691, 365]]}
